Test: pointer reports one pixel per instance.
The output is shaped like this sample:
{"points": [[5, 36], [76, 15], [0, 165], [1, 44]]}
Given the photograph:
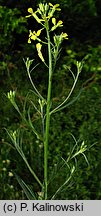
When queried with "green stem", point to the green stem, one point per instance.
{"points": [[46, 140]]}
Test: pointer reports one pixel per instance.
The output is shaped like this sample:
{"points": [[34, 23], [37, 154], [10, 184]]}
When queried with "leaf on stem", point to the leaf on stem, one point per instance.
{"points": [[32, 127], [29, 193], [65, 183], [17, 142]]}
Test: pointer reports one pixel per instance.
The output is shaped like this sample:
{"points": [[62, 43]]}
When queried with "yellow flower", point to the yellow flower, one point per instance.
{"points": [[52, 9], [38, 33], [34, 35], [38, 47], [50, 4], [29, 40], [59, 24], [54, 21], [30, 10], [64, 36], [54, 6]]}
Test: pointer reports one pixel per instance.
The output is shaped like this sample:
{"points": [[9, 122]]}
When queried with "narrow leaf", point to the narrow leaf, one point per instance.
{"points": [[29, 193]]}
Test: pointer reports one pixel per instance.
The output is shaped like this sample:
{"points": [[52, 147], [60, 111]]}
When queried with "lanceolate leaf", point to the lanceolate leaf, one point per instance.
{"points": [[16, 143], [29, 193]]}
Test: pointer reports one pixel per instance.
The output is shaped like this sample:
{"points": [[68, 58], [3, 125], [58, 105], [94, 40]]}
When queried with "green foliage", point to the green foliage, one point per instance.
{"points": [[10, 23]]}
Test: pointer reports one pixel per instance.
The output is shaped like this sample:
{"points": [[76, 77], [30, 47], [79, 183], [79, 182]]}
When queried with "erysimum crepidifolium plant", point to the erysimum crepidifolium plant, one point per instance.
{"points": [[45, 17]]}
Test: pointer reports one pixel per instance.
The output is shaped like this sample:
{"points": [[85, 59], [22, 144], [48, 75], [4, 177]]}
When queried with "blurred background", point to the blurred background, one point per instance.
{"points": [[82, 22]]}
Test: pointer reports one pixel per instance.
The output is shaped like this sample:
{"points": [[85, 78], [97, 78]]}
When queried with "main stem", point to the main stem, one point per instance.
{"points": [[46, 140]]}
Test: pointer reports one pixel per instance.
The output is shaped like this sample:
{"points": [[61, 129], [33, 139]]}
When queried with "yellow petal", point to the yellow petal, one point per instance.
{"points": [[33, 37], [64, 35], [29, 40], [38, 32], [58, 9], [41, 56], [54, 21], [38, 46], [60, 22], [56, 5], [50, 4], [30, 10]]}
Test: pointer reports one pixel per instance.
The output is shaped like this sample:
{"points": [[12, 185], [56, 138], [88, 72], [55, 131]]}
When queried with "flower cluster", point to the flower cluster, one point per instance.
{"points": [[42, 15], [46, 11]]}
